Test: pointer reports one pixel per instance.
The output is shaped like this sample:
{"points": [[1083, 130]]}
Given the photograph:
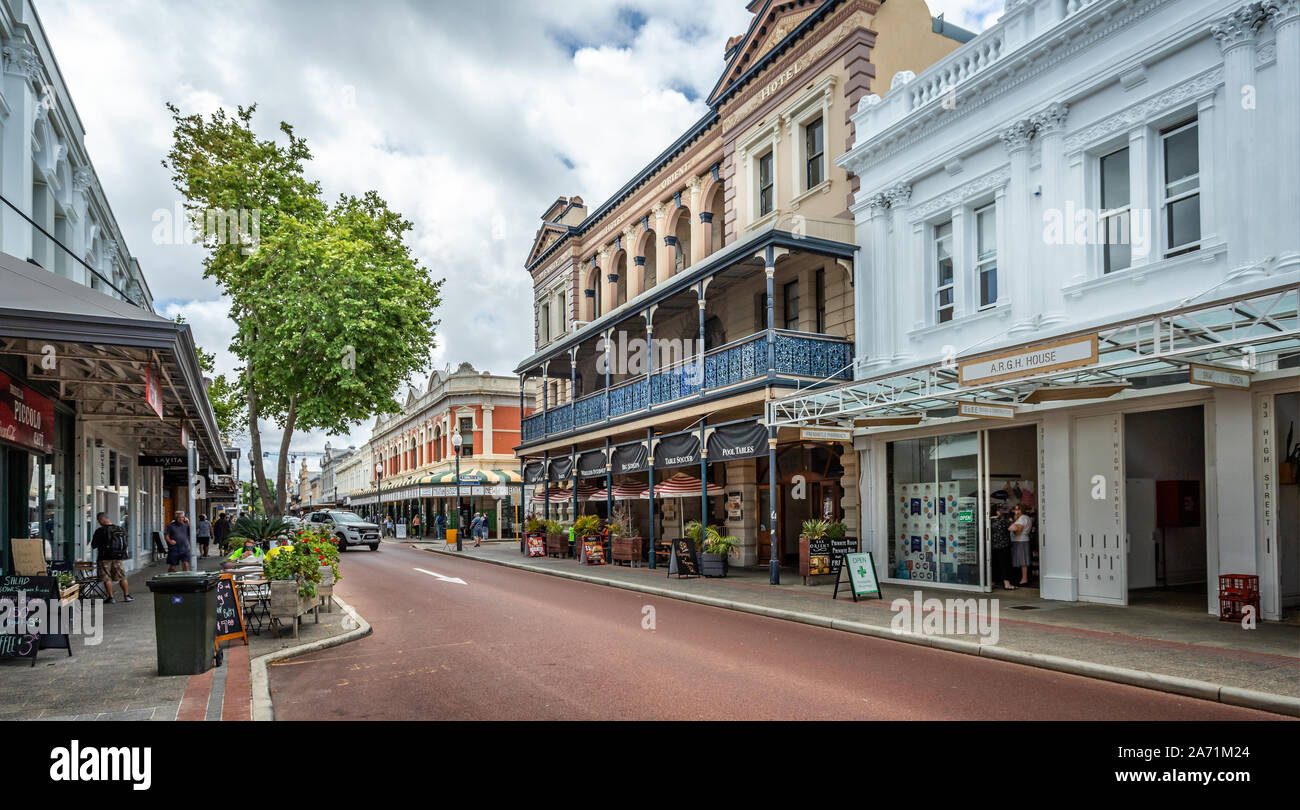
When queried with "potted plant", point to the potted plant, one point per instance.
{"points": [[586, 529], [265, 531], [68, 587], [717, 550], [814, 548], [294, 572], [557, 538]]}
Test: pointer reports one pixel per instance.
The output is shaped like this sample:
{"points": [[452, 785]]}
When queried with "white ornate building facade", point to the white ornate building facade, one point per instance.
{"points": [[1080, 235]]}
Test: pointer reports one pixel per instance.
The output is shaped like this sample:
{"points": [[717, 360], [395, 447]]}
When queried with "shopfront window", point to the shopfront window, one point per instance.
{"points": [[933, 522]]}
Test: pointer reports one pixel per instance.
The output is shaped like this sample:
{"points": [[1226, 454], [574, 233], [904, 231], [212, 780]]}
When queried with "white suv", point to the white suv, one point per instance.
{"points": [[348, 528]]}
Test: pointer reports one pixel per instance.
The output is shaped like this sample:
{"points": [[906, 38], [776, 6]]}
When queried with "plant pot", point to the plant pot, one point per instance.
{"points": [[325, 588], [713, 565], [557, 545], [285, 602], [69, 594]]}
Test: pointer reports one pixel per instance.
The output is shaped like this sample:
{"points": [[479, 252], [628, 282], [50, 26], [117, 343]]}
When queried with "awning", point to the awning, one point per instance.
{"points": [[534, 472], [473, 475], [742, 440], [630, 458], [681, 485], [677, 450], [113, 358], [565, 494], [592, 464], [1234, 334], [623, 491], [561, 469]]}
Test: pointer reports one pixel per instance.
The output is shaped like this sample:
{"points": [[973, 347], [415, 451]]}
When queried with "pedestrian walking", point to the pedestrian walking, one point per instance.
{"points": [[110, 542], [204, 532], [476, 529], [221, 533], [177, 536], [415, 525], [440, 527]]}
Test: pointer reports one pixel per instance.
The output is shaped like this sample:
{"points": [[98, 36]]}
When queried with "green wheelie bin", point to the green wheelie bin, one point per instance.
{"points": [[185, 620]]}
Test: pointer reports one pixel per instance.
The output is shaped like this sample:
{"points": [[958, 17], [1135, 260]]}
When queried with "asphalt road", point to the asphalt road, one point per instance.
{"points": [[512, 644]]}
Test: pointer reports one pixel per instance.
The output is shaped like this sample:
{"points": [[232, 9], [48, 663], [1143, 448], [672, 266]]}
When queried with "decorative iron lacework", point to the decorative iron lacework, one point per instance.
{"points": [[589, 409], [534, 427], [810, 357], [675, 383], [559, 420], [737, 363]]}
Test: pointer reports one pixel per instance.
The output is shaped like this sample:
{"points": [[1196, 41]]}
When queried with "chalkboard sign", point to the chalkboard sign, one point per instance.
{"points": [[862, 576], [688, 564], [230, 615], [30, 591], [839, 547]]}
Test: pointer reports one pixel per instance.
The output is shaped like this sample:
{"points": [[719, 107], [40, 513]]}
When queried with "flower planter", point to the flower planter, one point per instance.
{"points": [[287, 605], [325, 588], [557, 545], [713, 565], [69, 594], [629, 550]]}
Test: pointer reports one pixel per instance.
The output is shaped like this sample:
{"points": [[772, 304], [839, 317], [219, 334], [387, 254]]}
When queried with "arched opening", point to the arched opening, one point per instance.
{"points": [[591, 295], [620, 287], [683, 233], [718, 225], [651, 252]]}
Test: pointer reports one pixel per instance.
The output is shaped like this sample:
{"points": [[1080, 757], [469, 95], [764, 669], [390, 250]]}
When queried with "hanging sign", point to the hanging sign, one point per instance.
{"points": [[534, 472], [153, 391], [592, 464], [629, 458], [26, 417], [561, 469], [745, 440], [826, 434], [1027, 360], [677, 450], [160, 461], [984, 410], [862, 576], [1219, 377]]}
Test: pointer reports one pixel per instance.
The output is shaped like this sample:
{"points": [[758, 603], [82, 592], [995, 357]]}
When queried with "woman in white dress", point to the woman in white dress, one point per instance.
{"points": [[1020, 542]]}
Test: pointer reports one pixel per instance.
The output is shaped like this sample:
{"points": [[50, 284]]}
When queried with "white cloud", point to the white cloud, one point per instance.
{"points": [[461, 116]]}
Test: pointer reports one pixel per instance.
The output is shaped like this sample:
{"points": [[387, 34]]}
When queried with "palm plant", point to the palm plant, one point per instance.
{"points": [[815, 528], [264, 530]]}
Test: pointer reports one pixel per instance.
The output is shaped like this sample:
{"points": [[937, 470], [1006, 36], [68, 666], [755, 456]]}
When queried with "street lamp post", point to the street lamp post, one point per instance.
{"points": [[379, 498], [460, 529]]}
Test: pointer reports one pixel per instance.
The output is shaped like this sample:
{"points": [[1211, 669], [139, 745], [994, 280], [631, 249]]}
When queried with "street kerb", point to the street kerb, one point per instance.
{"points": [[1204, 690], [263, 709]]}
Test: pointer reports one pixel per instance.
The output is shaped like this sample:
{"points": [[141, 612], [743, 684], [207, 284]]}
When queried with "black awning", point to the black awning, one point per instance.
{"points": [[629, 458], [561, 469], [592, 464], [743, 440], [534, 472], [677, 450]]}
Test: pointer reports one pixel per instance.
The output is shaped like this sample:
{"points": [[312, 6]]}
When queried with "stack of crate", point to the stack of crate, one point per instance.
{"points": [[1236, 593]]}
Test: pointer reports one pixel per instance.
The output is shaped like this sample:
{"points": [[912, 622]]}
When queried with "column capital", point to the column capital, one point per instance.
{"points": [[659, 211], [1051, 120], [1281, 12], [899, 195], [1018, 135], [20, 59], [1238, 28], [694, 183]]}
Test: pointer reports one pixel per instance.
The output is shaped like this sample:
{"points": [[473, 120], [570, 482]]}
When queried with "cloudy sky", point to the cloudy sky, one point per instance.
{"points": [[468, 117]]}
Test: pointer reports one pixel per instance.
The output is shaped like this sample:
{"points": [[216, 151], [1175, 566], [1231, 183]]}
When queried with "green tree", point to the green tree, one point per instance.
{"points": [[332, 311]]}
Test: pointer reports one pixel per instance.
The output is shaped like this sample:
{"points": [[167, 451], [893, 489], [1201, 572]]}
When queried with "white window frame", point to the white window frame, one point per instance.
{"points": [[765, 140], [815, 103], [770, 156], [951, 286], [1168, 250], [1104, 215], [977, 265]]}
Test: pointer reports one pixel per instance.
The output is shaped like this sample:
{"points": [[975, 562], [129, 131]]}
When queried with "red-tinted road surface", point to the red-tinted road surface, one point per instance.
{"points": [[512, 644]]}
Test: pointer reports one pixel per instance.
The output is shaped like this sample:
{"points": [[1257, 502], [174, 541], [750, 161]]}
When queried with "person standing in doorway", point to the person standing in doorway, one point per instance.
{"points": [[440, 527], [415, 525], [110, 542], [177, 537], [1000, 540], [204, 532], [1020, 542]]}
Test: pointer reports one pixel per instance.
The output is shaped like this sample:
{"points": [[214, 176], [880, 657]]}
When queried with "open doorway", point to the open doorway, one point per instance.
{"points": [[1012, 487], [1164, 503]]}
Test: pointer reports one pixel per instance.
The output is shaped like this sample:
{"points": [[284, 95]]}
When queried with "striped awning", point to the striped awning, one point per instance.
{"points": [[565, 494], [475, 476], [622, 492], [680, 485]]}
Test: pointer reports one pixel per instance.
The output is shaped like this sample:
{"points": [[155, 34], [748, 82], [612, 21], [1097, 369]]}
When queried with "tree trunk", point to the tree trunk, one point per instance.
{"points": [[255, 436], [281, 488]]}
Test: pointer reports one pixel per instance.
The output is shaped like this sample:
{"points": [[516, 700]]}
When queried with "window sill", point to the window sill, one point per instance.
{"points": [[958, 324], [823, 187], [1136, 275], [763, 221]]}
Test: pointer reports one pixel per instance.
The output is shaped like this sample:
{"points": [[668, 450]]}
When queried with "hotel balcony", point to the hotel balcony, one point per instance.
{"points": [[714, 337]]}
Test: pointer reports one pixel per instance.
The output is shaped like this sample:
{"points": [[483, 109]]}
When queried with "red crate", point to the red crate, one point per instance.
{"points": [[1239, 586], [1234, 610]]}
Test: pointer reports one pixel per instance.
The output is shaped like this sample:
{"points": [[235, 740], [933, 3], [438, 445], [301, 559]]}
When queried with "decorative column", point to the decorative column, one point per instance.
{"points": [[665, 254], [901, 271], [774, 567], [487, 429], [769, 270], [1284, 16], [1049, 301], [608, 350], [697, 368], [635, 278], [22, 75], [1236, 37], [699, 237], [603, 276], [1013, 257], [882, 308], [650, 473]]}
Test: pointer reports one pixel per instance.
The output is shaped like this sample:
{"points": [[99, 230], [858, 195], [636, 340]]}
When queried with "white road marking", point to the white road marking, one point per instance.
{"points": [[441, 577]]}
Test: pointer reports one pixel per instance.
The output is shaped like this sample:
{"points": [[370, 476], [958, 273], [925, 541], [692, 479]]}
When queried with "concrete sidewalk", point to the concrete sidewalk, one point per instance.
{"points": [[1168, 648]]}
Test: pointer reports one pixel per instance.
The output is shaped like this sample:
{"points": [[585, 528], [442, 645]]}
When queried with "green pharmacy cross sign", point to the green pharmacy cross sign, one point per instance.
{"points": [[861, 569]]}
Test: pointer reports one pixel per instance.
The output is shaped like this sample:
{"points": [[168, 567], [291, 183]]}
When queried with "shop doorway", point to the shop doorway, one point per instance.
{"points": [[1164, 508], [808, 487], [1287, 431]]}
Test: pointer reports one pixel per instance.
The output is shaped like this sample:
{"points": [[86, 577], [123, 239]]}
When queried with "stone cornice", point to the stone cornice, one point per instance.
{"points": [[1002, 78], [960, 194], [1200, 85]]}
